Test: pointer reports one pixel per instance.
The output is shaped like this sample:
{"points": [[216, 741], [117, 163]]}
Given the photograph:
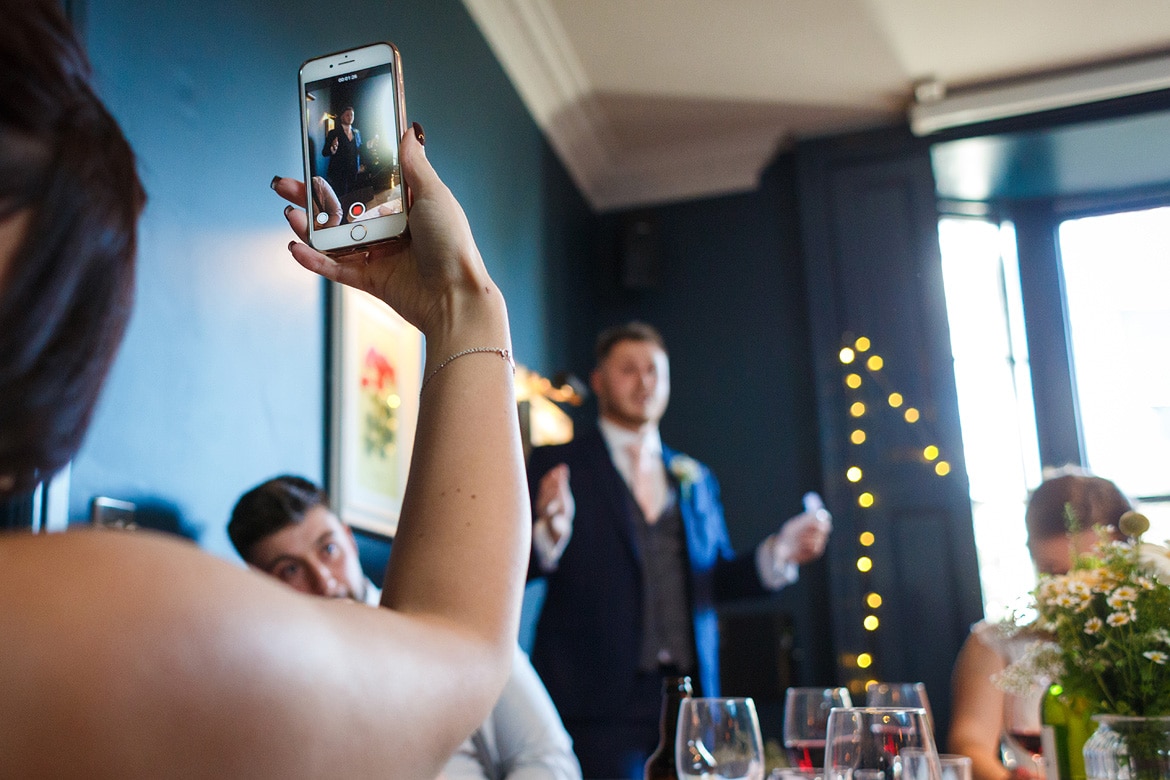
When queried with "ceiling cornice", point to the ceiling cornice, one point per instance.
{"points": [[527, 38]]}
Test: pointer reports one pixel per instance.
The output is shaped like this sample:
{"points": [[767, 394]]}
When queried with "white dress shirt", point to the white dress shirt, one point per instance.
{"points": [[648, 442], [522, 739]]}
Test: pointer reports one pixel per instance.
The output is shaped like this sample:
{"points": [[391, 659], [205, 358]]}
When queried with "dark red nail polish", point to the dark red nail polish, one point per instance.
{"points": [[272, 184], [419, 134]]}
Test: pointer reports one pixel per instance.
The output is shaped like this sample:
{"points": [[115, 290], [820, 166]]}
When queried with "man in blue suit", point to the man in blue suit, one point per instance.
{"points": [[631, 538]]}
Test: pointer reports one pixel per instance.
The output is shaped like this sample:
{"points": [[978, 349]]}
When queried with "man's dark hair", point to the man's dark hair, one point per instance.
{"points": [[270, 507], [1090, 500], [68, 289], [630, 331]]}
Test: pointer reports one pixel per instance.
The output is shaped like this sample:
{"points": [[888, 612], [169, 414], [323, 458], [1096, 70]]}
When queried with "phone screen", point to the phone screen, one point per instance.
{"points": [[352, 137]]}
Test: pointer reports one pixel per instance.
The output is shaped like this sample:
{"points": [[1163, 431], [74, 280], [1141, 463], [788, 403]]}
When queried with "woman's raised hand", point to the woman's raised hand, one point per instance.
{"points": [[432, 275]]}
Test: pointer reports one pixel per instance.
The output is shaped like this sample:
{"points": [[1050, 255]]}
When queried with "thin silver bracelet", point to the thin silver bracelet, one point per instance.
{"points": [[506, 354]]}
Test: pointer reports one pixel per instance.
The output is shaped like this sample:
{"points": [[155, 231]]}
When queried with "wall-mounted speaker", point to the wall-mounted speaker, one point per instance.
{"points": [[639, 254]]}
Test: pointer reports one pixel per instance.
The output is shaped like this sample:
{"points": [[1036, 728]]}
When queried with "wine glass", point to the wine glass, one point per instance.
{"points": [[1020, 743], [806, 713], [719, 739], [916, 763], [885, 694], [866, 743]]}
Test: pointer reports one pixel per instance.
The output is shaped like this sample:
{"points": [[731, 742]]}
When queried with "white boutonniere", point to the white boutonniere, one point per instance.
{"points": [[687, 471]]}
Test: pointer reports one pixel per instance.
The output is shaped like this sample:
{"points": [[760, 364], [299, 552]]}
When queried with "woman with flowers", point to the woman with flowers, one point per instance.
{"points": [[1066, 518]]}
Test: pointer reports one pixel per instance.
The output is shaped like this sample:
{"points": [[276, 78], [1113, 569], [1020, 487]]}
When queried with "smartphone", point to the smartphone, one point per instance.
{"points": [[352, 115]]}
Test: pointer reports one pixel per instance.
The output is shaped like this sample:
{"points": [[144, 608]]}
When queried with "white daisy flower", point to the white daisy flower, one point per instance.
{"points": [[1121, 597]]}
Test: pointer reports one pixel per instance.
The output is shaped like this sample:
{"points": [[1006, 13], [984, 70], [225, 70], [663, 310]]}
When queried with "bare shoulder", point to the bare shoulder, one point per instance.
{"points": [[143, 652], [978, 655]]}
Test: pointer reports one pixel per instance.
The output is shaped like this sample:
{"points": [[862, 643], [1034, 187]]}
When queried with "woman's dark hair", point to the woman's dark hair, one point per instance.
{"points": [[66, 295], [1090, 500], [269, 507], [630, 331]]}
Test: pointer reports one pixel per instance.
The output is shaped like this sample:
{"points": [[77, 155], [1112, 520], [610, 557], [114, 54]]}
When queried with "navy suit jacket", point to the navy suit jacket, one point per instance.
{"points": [[588, 635]]}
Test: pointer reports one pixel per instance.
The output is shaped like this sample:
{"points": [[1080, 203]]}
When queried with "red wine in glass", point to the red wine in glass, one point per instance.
{"points": [[806, 753], [1029, 742]]}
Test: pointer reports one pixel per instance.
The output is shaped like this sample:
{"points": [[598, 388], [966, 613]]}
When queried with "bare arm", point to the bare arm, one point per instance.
{"points": [[977, 710], [466, 501], [132, 655], [457, 563]]}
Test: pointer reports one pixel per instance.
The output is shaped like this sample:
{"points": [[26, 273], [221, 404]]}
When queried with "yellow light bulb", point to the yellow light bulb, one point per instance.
{"points": [[857, 437], [942, 468], [864, 661], [853, 381], [865, 500], [871, 623], [866, 539], [862, 344], [930, 453], [875, 363], [847, 355], [911, 415], [895, 400], [864, 564], [873, 600], [857, 409], [853, 474]]}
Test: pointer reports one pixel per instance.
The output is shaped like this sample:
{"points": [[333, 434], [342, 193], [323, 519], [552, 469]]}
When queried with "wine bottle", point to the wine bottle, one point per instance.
{"points": [[660, 765], [1065, 727]]}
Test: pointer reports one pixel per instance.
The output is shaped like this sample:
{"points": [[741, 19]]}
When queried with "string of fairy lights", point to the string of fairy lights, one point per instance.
{"points": [[863, 370]]}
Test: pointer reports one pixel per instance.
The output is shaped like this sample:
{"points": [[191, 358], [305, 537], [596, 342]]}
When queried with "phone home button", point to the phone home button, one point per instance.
{"points": [[358, 232]]}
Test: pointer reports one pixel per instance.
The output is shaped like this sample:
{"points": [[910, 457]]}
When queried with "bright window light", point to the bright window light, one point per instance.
{"points": [[993, 379], [1117, 283]]}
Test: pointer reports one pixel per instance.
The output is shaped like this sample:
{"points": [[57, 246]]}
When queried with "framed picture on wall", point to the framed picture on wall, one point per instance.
{"points": [[376, 373]]}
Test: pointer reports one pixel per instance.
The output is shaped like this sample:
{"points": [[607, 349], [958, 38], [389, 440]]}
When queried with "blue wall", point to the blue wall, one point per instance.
{"points": [[221, 380]]}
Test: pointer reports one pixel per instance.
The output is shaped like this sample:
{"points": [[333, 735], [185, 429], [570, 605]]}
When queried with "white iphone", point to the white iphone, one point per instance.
{"points": [[352, 116]]}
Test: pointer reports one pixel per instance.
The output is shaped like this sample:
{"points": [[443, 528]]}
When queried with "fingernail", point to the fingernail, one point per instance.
{"points": [[291, 244], [287, 209], [272, 183], [419, 134]]}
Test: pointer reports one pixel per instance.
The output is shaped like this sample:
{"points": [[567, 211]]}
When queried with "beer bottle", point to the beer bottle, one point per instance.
{"points": [[660, 765]]}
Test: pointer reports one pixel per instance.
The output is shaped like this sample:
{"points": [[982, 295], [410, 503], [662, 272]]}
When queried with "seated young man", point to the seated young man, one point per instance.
{"points": [[284, 527]]}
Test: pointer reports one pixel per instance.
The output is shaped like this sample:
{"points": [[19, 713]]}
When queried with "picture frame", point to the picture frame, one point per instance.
{"points": [[375, 371]]}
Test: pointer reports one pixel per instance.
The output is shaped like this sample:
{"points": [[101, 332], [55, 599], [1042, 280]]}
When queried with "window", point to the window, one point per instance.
{"points": [[1117, 288], [1115, 295], [993, 380]]}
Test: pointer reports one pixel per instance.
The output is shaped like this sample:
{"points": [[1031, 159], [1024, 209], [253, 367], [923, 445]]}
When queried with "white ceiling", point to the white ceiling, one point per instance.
{"points": [[649, 101]]}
